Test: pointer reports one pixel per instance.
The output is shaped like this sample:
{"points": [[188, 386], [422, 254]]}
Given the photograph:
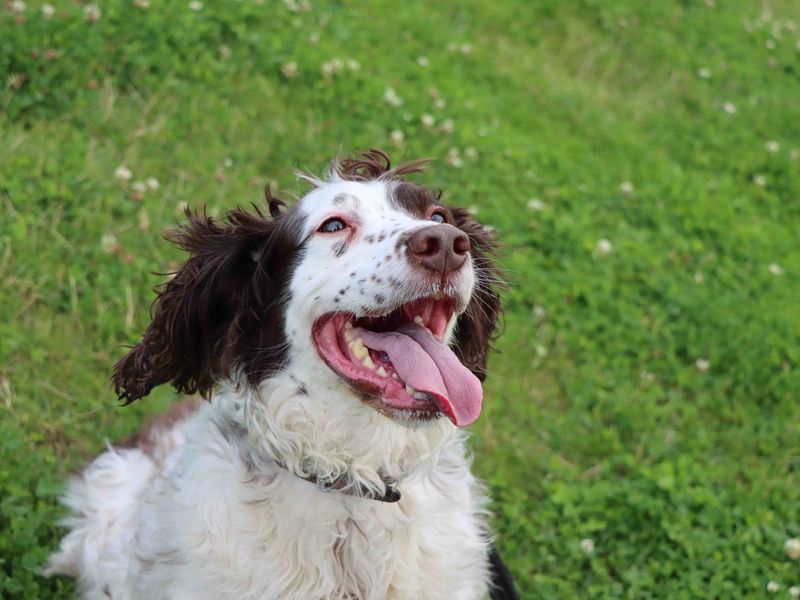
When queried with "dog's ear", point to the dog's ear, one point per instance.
{"points": [[198, 323], [475, 328]]}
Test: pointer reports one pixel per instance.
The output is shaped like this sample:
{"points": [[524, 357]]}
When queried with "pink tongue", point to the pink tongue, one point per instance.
{"points": [[429, 366]]}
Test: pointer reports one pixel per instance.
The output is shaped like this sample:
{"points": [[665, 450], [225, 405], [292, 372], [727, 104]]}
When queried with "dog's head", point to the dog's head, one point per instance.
{"points": [[368, 280]]}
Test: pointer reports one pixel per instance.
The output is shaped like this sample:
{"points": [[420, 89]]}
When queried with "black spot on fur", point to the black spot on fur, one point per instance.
{"points": [[340, 248], [379, 299]]}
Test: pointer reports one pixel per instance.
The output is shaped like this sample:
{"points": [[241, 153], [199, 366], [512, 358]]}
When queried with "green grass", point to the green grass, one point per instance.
{"points": [[599, 420]]}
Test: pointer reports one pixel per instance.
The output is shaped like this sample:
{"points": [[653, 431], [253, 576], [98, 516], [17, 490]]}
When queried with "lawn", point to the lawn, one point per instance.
{"points": [[639, 160]]}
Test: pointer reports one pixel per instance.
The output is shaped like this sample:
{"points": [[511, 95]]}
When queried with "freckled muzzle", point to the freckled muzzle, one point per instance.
{"points": [[400, 361]]}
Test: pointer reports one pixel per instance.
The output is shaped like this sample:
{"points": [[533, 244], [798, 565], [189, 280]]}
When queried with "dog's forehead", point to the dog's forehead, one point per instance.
{"points": [[367, 199]]}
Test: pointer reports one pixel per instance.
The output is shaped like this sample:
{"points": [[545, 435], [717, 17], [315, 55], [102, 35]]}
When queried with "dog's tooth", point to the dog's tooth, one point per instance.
{"points": [[394, 376], [382, 372], [420, 395], [418, 320], [348, 325], [410, 391], [368, 362], [358, 348], [348, 335]]}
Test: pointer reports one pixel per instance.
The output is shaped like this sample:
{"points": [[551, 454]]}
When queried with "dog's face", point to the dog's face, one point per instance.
{"points": [[369, 277]]}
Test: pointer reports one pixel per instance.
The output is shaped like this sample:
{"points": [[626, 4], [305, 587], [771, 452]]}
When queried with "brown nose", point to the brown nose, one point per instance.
{"points": [[441, 248]]}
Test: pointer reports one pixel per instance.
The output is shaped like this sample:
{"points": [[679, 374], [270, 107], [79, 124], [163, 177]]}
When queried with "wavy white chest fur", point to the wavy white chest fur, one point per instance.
{"points": [[211, 517]]}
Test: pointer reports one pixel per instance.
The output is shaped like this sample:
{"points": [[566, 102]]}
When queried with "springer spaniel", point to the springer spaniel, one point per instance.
{"points": [[342, 342]]}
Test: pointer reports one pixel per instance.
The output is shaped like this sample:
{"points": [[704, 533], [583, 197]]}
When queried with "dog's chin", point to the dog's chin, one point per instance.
{"points": [[399, 364]]}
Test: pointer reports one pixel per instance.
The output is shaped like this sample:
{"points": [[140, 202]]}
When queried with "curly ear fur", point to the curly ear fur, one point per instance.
{"points": [[475, 329], [214, 305]]}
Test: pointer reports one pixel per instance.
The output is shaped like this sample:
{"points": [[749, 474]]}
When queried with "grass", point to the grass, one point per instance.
{"points": [[645, 395]]}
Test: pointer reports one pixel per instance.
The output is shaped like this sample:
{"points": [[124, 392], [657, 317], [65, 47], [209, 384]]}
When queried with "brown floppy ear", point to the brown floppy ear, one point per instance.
{"points": [[190, 338], [475, 328]]}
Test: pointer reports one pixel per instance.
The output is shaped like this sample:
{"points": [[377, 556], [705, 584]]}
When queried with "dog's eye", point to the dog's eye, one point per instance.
{"points": [[438, 217], [332, 225]]}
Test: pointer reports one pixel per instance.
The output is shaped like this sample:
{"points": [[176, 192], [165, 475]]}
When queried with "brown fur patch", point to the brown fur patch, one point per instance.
{"points": [[147, 438]]}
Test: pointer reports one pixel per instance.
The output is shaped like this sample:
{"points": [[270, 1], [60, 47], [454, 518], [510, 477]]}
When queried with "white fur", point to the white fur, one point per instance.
{"points": [[223, 512]]}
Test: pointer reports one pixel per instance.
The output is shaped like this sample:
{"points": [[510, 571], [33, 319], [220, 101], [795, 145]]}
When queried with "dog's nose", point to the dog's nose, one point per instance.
{"points": [[441, 248]]}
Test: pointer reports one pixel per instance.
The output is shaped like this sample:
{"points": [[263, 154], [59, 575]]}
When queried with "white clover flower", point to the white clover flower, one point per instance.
{"points": [[152, 184], [626, 187], [141, 3], [729, 107], [48, 11], [289, 69], [16, 80], [225, 51], [466, 48], [228, 162], [92, 13], [587, 545], [647, 376], [123, 173], [313, 37], [439, 103], [603, 247], [470, 153], [772, 146], [539, 311], [776, 270], [396, 136], [427, 120], [182, 206], [792, 548], [391, 98], [196, 5], [770, 44], [702, 364], [454, 158], [423, 61], [109, 243], [447, 126], [698, 277], [144, 220], [536, 205], [483, 131], [139, 187], [759, 180], [794, 591], [452, 47], [18, 6], [704, 72], [353, 64], [773, 587]]}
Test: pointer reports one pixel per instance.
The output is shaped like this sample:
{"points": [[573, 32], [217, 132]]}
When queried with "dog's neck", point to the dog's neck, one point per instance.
{"points": [[322, 433], [344, 485]]}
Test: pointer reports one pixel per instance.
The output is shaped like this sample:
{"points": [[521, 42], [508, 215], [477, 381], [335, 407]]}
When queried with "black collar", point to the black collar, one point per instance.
{"points": [[341, 485]]}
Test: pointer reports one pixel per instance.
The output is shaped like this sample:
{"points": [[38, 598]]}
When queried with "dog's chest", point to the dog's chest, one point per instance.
{"points": [[334, 546]]}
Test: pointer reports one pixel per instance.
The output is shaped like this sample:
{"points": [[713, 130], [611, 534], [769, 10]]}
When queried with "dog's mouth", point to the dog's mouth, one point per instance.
{"points": [[399, 362]]}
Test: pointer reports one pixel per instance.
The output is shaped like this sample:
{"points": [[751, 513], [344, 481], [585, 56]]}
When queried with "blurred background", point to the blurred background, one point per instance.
{"points": [[639, 160]]}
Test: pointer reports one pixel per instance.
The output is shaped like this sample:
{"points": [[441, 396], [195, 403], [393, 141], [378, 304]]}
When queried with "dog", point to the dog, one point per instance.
{"points": [[342, 342]]}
